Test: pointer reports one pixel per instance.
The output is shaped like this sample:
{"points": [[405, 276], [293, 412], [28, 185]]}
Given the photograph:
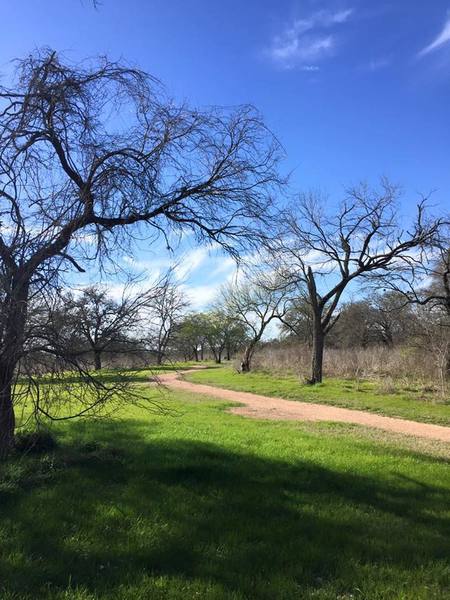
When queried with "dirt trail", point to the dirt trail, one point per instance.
{"points": [[264, 407]]}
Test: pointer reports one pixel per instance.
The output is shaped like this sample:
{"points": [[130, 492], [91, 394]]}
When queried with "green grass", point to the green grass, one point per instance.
{"points": [[411, 403], [141, 375], [204, 504]]}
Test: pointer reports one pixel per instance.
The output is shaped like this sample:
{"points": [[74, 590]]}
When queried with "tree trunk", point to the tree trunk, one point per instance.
{"points": [[317, 352], [447, 365], [246, 362], [97, 360], [14, 310], [159, 358], [7, 418]]}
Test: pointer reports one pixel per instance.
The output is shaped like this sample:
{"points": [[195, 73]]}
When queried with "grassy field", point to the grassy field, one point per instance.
{"points": [[199, 503], [410, 402]]}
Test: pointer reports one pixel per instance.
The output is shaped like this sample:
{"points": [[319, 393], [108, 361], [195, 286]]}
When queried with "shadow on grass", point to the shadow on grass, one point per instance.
{"points": [[101, 519]]}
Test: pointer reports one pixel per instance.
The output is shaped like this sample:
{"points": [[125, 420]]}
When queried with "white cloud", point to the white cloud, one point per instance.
{"points": [[307, 40], [442, 39], [224, 265], [342, 16], [190, 261], [183, 265], [201, 296]]}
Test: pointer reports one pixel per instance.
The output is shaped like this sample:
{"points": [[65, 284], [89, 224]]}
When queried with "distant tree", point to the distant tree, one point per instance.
{"points": [[425, 283], [92, 156], [255, 303], [190, 336], [216, 326], [325, 252], [298, 320], [392, 320], [236, 336], [102, 323], [166, 309], [355, 326]]}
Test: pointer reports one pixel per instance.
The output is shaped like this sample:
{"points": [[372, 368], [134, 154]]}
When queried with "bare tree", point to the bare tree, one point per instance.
{"points": [[165, 310], [92, 155], [104, 324], [256, 303], [425, 283], [323, 253], [426, 280]]}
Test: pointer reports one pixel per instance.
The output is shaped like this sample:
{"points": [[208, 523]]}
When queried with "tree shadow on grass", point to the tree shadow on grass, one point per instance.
{"points": [[256, 528]]}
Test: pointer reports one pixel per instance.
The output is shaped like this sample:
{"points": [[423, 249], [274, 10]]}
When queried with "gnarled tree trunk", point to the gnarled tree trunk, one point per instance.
{"points": [[7, 418], [246, 363], [14, 313]]}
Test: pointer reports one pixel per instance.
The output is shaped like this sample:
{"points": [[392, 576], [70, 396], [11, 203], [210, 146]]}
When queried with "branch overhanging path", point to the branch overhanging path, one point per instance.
{"points": [[279, 409]]}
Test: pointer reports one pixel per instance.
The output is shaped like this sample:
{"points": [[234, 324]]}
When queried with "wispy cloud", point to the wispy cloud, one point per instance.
{"points": [[307, 41], [190, 261], [377, 64], [201, 296], [440, 40]]}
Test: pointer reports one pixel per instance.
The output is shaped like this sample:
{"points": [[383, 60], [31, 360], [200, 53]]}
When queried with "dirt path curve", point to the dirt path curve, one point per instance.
{"points": [[264, 407]]}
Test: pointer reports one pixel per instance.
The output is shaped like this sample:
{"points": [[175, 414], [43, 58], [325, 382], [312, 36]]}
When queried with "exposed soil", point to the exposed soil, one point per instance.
{"points": [[264, 407]]}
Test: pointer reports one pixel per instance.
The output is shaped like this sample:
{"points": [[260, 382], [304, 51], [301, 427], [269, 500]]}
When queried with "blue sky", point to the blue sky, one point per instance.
{"points": [[353, 89]]}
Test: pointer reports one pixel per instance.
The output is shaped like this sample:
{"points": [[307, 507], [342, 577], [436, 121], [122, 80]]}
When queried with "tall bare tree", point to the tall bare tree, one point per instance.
{"points": [[325, 251], [92, 155]]}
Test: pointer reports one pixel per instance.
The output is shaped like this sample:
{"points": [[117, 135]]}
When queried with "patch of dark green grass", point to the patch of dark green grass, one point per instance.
{"points": [[209, 505]]}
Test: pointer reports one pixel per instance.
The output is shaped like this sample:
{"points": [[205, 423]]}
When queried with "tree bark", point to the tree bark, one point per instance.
{"points": [[97, 360], [317, 352], [246, 362], [7, 418], [447, 366], [15, 312]]}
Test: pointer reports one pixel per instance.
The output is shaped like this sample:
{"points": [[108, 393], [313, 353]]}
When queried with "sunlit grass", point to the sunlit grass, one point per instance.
{"points": [[411, 403], [199, 503]]}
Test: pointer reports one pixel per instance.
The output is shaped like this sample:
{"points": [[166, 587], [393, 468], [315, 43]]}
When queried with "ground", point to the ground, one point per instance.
{"points": [[258, 406], [196, 502], [407, 400]]}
